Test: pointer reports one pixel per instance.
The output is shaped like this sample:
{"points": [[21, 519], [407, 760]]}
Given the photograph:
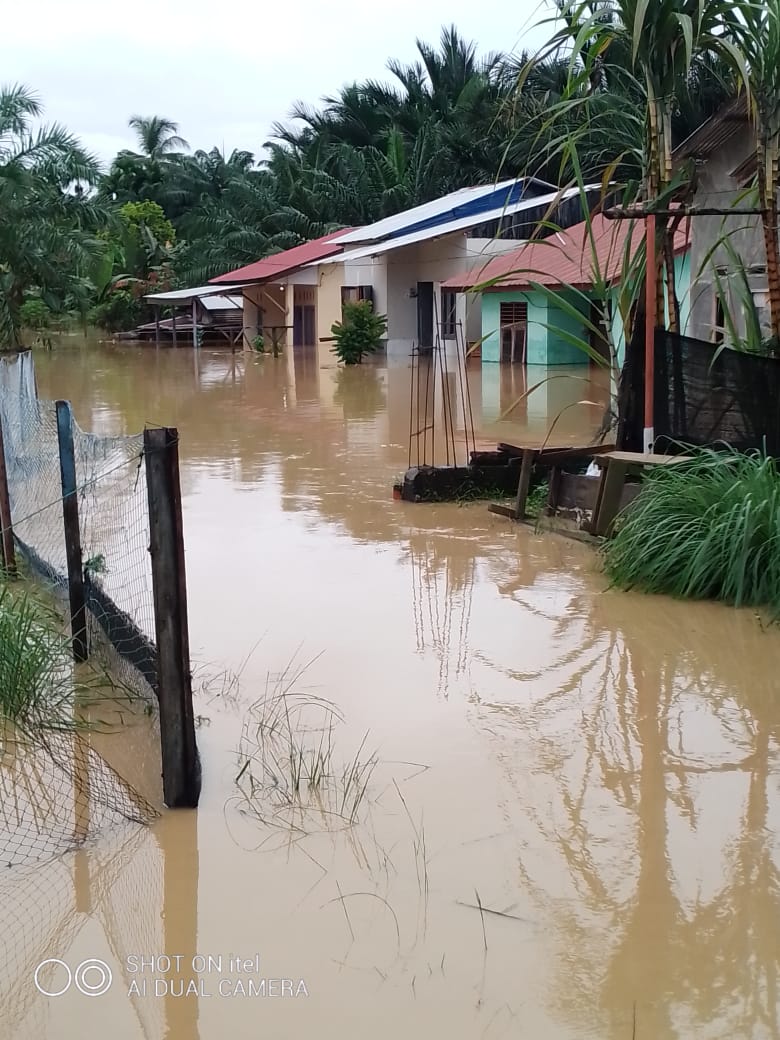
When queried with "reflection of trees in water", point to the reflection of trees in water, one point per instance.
{"points": [[443, 575], [653, 798], [359, 391]]}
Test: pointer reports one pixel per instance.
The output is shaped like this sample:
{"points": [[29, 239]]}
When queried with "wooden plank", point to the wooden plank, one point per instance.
{"points": [[180, 762], [551, 451], [524, 483], [70, 517], [502, 510], [6, 527], [612, 481], [555, 490], [639, 458]]}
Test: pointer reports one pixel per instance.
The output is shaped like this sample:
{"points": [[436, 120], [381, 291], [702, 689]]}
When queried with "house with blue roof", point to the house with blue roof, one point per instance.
{"points": [[401, 262]]}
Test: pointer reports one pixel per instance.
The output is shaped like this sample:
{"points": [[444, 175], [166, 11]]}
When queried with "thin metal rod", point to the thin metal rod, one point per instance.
{"points": [[651, 276]]}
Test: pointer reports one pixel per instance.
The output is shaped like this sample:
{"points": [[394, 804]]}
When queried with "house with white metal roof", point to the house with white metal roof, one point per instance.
{"points": [[400, 262]]}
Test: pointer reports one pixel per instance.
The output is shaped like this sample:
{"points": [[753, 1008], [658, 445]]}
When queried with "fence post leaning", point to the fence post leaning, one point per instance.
{"points": [[70, 516], [6, 527], [180, 762]]}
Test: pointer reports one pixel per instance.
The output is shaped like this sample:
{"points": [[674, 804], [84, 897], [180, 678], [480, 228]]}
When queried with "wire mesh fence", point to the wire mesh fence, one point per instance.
{"points": [[113, 520], [56, 791]]}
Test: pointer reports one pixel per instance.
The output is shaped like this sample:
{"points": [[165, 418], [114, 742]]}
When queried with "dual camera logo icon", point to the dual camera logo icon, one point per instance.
{"points": [[92, 977]]}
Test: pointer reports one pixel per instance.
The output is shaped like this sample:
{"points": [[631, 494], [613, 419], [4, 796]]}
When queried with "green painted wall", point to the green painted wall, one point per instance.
{"points": [[547, 346]]}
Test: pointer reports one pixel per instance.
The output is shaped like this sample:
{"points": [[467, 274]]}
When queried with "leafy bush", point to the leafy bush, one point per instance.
{"points": [[359, 332], [121, 310], [34, 314], [705, 529], [258, 344]]}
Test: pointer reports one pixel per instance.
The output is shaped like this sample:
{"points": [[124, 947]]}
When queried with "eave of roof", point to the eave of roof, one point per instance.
{"points": [[279, 265], [562, 260]]}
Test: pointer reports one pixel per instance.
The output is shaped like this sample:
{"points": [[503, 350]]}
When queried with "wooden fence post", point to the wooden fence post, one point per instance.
{"points": [[6, 527], [180, 762], [70, 517]]}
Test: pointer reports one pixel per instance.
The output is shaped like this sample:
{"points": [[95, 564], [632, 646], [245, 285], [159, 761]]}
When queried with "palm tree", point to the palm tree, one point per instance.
{"points": [[47, 227], [157, 136], [758, 34]]}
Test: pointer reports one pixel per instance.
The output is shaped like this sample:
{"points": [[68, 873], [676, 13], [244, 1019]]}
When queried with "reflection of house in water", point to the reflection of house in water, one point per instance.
{"points": [[641, 764], [442, 591]]}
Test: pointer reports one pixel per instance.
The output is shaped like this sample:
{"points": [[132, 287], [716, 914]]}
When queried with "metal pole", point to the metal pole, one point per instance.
{"points": [[651, 277], [6, 527], [70, 516], [195, 323]]}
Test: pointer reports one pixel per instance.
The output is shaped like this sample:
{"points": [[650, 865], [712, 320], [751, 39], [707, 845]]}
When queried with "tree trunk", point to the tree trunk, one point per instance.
{"points": [[767, 186]]}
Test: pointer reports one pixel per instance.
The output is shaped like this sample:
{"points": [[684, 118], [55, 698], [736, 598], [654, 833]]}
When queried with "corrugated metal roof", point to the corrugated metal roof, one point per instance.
{"points": [[271, 268], [461, 203], [222, 303], [198, 292], [565, 258], [459, 224], [715, 132]]}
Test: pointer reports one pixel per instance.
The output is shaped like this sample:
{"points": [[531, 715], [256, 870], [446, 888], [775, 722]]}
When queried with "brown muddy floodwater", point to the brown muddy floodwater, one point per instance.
{"points": [[599, 771]]}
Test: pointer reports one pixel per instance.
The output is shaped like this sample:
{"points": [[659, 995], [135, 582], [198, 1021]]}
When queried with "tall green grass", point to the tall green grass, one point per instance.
{"points": [[705, 529], [36, 672]]}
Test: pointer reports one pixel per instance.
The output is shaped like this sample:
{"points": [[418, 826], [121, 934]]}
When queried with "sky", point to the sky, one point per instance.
{"points": [[227, 72]]}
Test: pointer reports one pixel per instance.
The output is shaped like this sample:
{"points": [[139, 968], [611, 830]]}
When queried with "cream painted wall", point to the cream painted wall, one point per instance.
{"points": [[331, 279]]}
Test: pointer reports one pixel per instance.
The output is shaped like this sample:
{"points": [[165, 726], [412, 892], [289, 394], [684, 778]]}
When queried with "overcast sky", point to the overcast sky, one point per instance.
{"points": [[225, 71]]}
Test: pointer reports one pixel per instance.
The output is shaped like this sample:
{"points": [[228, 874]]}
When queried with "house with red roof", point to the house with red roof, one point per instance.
{"points": [[540, 302], [288, 298]]}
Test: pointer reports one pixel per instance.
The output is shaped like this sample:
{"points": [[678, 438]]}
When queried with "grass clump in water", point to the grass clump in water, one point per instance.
{"points": [[704, 529], [36, 673]]}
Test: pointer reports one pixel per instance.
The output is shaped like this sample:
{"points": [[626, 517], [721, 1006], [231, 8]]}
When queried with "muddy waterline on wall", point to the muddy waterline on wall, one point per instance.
{"points": [[573, 822]]}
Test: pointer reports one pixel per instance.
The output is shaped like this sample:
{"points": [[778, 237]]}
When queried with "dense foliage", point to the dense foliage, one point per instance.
{"points": [[706, 529], [161, 215]]}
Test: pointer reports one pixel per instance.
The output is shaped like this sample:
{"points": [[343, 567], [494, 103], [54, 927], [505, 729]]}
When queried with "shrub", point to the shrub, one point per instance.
{"points": [[36, 682], [359, 332], [120, 311], [34, 314], [705, 529]]}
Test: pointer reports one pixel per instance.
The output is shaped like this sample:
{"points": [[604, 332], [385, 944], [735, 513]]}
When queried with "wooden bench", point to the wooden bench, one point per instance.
{"points": [[554, 458], [615, 467]]}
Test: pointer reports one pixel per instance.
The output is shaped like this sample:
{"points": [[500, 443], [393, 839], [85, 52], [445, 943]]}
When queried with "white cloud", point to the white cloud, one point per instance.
{"points": [[226, 72]]}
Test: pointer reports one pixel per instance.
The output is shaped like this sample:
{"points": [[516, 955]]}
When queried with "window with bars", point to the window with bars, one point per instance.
{"points": [[513, 324], [449, 314], [513, 314]]}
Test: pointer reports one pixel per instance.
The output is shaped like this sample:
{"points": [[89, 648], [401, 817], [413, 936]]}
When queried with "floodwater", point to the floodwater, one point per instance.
{"points": [[573, 826]]}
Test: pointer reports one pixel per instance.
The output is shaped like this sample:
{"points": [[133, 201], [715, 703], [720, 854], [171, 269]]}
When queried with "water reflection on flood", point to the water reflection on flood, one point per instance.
{"points": [[600, 768]]}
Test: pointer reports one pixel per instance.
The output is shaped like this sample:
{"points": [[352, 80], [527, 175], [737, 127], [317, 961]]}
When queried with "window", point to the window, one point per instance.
{"points": [[513, 328], [449, 314], [353, 293]]}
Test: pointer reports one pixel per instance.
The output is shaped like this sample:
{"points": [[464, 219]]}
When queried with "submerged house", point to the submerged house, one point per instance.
{"points": [[287, 298], [539, 301], [404, 263], [722, 153]]}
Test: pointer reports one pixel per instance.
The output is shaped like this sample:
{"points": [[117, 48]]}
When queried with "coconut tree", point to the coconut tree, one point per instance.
{"points": [[157, 136], [48, 219]]}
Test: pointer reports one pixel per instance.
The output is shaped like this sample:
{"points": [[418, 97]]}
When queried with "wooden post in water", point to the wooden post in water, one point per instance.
{"points": [[6, 527], [173, 323], [70, 517], [157, 326], [180, 763], [194, 323]]}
